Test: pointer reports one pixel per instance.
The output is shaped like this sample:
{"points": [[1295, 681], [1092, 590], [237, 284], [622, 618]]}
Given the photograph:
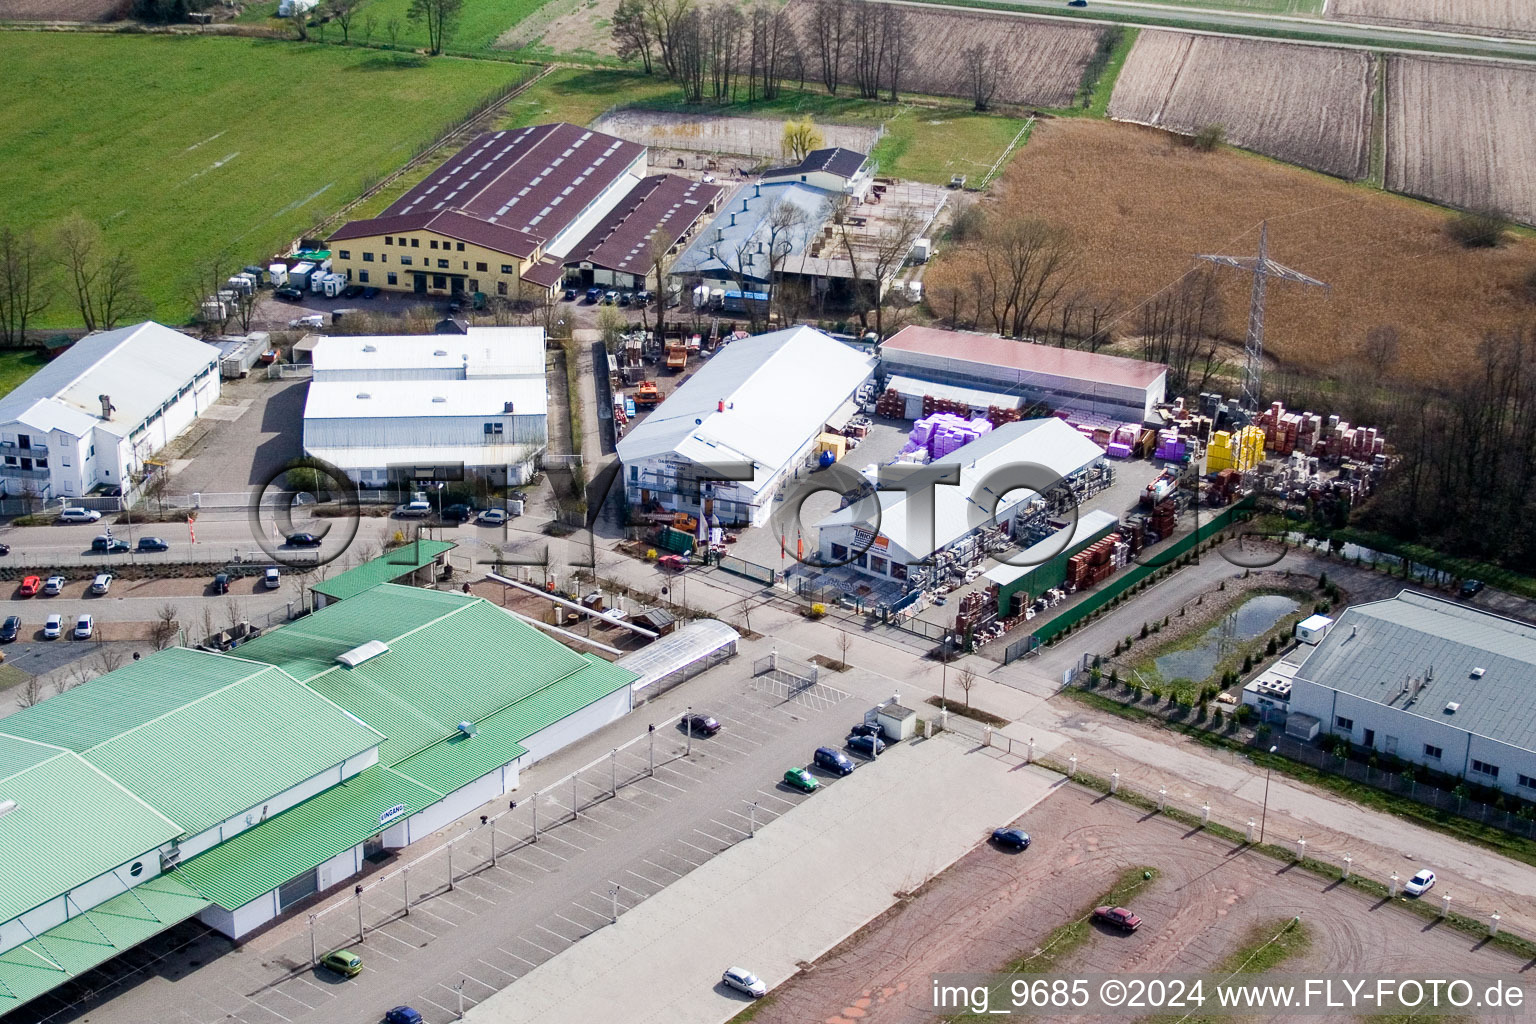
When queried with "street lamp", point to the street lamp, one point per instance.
{"points": [[688, 724], [1265, 813]]}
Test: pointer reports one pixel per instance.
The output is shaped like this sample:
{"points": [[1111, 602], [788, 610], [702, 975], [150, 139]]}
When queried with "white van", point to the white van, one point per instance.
{"points": [[272, 579]]}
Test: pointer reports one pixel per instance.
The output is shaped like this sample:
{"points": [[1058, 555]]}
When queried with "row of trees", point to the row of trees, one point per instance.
{"points": [[715, 49], [71, 263]]}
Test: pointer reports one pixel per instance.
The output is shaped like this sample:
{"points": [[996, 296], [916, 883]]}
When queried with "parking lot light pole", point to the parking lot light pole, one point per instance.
{"points": [[1264, 814], [613, 772], [651, 732], [535, 817], [313, 958], [614, 893], [357, 891], [459, 988], [688, 724], [753, 833]]}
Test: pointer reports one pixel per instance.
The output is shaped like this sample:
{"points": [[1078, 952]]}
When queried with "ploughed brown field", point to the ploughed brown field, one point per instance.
{"points": [[1308, 105], [1038, 62], [1490, 17], [62, 10], [1140, 205], [1460, 133]]}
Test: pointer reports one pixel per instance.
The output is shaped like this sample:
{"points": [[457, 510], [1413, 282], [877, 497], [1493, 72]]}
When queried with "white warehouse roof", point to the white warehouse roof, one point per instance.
{"points": [[483, 352], [140, 368], [957, 511], [404, 399], [759, 399]]}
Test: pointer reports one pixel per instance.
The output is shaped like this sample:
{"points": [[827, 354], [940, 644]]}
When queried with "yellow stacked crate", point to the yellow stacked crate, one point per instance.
{"points": [[1219, 454], [1250, 448]]}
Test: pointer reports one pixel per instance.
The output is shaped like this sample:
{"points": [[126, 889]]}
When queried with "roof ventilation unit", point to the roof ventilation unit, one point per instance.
{"points": [[439, 398], [363, 652], [370, 348], [1477, 673], [6, 807], [466, 728], [363, 394], [1452, 707], [440, 352]]}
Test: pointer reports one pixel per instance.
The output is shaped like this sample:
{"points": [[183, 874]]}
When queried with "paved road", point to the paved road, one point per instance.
{"points": [[1272, 25]]}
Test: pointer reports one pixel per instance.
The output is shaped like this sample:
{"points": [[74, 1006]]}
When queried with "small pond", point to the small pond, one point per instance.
{"points": [[1254, 617]]}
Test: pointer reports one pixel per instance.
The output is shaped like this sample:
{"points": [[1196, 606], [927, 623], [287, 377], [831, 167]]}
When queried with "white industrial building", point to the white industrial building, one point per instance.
{"points": [[98, 413], [916, 524], [1061, 378], [1431, 681], [761, 404], [441, 407]]}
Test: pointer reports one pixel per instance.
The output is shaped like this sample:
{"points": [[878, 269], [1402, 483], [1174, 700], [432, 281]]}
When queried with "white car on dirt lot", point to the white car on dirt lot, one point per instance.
{"points": [[1420, 883]]}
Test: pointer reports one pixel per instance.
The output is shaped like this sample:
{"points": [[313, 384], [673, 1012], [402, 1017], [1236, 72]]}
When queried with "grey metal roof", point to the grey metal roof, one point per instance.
{"points": [[1433, 645], [736, 242], [834, 160], [677, 650]]}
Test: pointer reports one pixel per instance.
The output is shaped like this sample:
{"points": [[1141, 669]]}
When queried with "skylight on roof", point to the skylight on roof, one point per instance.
{"points": [[363, 652]]}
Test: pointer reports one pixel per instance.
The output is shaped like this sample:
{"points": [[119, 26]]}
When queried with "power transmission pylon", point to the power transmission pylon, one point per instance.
{"points": [[1262, 267]]}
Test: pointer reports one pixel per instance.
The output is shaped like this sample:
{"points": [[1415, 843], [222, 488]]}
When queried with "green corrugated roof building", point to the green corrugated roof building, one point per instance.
{"points": [[405, 560]]}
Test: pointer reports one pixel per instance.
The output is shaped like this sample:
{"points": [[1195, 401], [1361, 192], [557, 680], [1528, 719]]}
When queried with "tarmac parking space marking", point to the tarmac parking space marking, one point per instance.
{"points": [[653, 864], [536, 946]]}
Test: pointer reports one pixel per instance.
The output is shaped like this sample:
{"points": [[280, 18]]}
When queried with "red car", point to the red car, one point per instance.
{"points": [[1119, 917], [31, 585]]}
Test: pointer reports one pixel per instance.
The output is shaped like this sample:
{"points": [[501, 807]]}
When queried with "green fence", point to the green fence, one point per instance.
{"points": [[1159, 559], [748, 570]]}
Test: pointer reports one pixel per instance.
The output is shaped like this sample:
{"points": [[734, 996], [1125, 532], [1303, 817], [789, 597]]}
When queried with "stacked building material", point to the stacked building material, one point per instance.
{"points": [[943, 433], [1097, 562], [1162, 519], [997, 416], [891, 405], [1241, 451]]}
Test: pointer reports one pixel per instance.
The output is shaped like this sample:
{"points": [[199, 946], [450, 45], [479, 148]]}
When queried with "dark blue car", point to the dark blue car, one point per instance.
{"points": [[402, 1015], [870, 746], [1011, 838], [834, 761]]}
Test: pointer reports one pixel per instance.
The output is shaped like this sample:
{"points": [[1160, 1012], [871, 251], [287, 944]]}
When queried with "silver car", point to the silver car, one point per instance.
{"points": [[53, 627], [744, 981], [85, 627], [79, 515]]}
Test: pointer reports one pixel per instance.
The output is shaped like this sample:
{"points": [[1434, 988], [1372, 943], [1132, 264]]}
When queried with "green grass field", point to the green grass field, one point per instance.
{"points": [[181, 147], [16, 365], [1299, 7], [475, 34]]}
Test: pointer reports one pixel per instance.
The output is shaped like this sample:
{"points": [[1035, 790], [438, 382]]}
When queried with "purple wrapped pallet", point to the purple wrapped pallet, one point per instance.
{"points": [[1117, 450]]}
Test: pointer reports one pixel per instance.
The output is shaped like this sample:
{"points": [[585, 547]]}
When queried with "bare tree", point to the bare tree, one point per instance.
{"points": [[440, 17], [830, 29], [26, 288], [965, 678], [342, 12], [30, 693], [1178, 327], [632, 33], [773, 47], [981, 65], [670, 21], [298, 20], [370, 22], [108, 658], [1379, 351], [202, 287], [1026, 263], [102, 282], [889, 254], [234, 611], [163, 633], [844, 641], [392, 27]]}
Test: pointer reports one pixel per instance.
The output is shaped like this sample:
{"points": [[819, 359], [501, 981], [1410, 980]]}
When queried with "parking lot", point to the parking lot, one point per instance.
{"points": [[498, 921]]}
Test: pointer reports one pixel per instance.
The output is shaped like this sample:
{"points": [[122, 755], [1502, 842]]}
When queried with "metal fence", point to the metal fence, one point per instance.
{"points": [[786, 670], [748, 570]]}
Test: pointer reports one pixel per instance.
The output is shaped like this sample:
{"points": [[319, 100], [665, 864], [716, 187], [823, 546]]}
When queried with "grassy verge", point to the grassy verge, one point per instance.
{"points": [[1489, 838], [750, 1013], [1103, 85], [479, 25], [16, 365], [1516, 944], [966, 711], [1146, 664], [1069, 937], [227, 165]]}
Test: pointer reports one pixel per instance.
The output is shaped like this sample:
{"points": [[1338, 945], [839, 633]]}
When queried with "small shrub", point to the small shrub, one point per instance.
{"points": [[1247, 663], [1144, 630], [1114, 677], [1157, 694], [818, 610], [1208, 138], [1271, 647], [1478, 229], [1322, 581], [650, 554], [1217, 719]]}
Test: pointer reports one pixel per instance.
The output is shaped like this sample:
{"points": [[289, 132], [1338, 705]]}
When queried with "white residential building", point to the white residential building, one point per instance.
{"points": [[1431, 681], [763, 403], [96, 414], [430, 407]]}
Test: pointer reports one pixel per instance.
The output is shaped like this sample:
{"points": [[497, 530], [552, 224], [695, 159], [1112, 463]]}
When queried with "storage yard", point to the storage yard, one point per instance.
{"points": [[1037, 62], [1505, 17], [1143, 206], [1307, 105], [1459, 133]]}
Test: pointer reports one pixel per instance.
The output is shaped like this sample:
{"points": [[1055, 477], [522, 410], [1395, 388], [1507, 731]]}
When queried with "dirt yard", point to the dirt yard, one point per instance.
{"points": [[1307, 105], [1038, 62], [1459, 133], [1141, 205], [749, 136], [993, 907], [1500, 17]]}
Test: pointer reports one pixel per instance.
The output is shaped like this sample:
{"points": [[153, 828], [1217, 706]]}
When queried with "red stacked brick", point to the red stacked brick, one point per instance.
{"points": [[1093, 564]]}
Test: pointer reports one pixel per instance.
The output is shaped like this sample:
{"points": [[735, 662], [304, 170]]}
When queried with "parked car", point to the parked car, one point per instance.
{"points": [[53, 586], [570, 295], [5, 549], [312, 321], [744, 981], [53, 626], [370, 292], [288, 293], [153, 544], [870, 746], [1077, 3], [108, 545], [78, 515], [102, 583], [642, 297], [799, 778], [1011, 838], [344, 962], [352, 291], [85, 627], [609, 297], [221, 583], [492, 517], [272, 579], [1420, 883], [593, 294], [458, 513], [834, 761], [1471, 588], [864, 729], [1117, 917], [624, 298], [701, 725], [10, 629], [414, 510], [30, 586], [402, 1015], [303, 540]]}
